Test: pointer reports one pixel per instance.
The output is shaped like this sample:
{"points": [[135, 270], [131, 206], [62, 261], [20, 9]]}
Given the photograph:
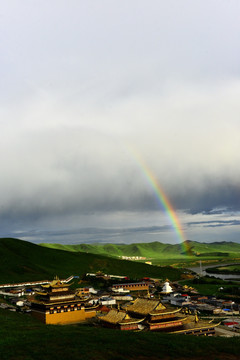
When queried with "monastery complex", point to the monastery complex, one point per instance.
{"points": [[146, 305], [151, 314], [56, 304]]}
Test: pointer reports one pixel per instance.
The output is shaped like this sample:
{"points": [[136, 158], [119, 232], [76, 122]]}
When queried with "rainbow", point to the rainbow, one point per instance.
{"points": [[163, 201]]}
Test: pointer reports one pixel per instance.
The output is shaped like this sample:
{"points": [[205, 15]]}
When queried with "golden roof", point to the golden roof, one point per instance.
{"points": [[168, 311], [119, 317], [200, 325], [160, 306], [56, 283], [113, 316], [41, 293], [145, 306]]}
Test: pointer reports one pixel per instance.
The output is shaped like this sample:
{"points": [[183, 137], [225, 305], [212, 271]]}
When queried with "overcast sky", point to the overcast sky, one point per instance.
{"points": [[86, 85]]}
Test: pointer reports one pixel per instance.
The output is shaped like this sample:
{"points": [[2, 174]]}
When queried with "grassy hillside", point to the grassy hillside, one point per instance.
{"points": [[159, 252], [23, 337], [21, 260], [143, 249]]}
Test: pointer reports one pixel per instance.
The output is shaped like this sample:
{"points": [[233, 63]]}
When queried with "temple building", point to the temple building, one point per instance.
{"points": [[157, 317], [152, 315], [194, 326], [119, 319], [57, 304]]}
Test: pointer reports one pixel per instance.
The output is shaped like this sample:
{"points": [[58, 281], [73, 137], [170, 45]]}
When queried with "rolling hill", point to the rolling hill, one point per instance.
{"points": [[158, 251], [23, 261]]}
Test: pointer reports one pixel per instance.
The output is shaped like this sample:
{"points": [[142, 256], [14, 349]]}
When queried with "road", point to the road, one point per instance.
{"points": [[222, 331]]}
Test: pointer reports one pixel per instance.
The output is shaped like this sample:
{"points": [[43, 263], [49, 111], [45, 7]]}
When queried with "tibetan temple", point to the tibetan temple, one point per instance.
{"points": [[57, 304], [156, 315], [121, 320], [152, 315]]}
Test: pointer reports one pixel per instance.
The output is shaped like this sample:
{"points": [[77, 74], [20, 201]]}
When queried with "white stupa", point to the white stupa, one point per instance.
{"points": [[167, 289]]}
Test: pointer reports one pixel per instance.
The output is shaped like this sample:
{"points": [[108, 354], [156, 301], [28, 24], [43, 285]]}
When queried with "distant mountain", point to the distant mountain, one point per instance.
{"points": [[23, 261], [157, 250]]}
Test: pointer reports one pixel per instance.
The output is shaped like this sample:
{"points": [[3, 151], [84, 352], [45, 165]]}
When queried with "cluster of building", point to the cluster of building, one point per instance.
{"points": [[127, 306], [57, 304], [189, 299], [151, 314]]}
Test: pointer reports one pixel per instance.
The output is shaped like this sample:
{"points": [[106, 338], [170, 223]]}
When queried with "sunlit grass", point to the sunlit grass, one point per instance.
{"points": [[22, 337]]}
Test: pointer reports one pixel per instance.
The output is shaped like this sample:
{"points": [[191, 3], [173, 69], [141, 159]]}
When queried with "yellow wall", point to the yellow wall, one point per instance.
{"points": [[62, 318]]}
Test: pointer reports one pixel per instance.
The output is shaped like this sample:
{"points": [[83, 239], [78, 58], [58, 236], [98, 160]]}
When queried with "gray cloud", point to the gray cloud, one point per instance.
{"points": [[85, 87], [106, 232], [216, 223]]}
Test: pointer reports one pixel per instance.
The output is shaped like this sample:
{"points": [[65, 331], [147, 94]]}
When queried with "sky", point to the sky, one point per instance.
{"points": [[92, 90]]}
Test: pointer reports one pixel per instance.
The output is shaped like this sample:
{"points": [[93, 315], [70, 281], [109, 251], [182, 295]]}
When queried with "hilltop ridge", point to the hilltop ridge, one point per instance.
{"points": [[22, 261], [156, 250]]}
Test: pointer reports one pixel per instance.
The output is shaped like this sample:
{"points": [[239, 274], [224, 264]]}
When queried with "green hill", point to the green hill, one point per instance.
{"points": [[24, 338], [22, 261], [159, 252], [153, 249]]}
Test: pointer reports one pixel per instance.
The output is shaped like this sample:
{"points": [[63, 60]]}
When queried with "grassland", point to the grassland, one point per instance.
{"points": [[227, 269], [24, 261], [163, 254], [213, 286], [22, 337]]}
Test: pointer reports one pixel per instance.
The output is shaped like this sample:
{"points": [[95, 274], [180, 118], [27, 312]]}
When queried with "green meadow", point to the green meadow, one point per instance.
{"points": [[208, 285], [23, 261], [24, 338], [163, 254]]}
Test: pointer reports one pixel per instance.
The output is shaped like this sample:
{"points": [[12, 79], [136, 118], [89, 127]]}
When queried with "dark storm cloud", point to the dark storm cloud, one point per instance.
{"points": [[92, 235], [215, 223], [80, 171], [211, 197], [90, 81], [95, 231]]}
